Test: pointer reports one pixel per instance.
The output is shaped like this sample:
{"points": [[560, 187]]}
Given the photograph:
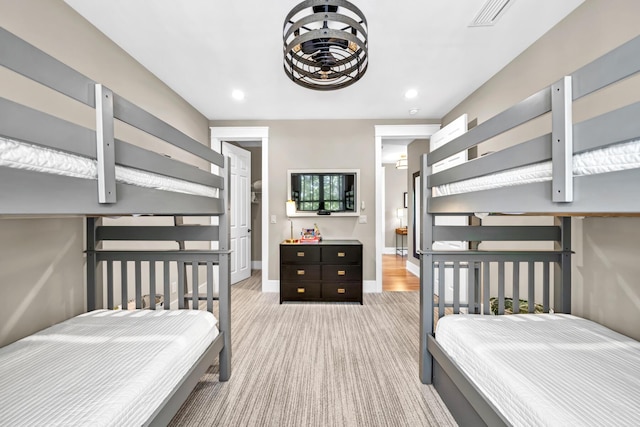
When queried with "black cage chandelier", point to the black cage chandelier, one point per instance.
{"points": [[325, 44]]}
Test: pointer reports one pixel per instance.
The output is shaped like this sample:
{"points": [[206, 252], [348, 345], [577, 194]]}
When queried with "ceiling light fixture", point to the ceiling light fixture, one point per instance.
{"points": [[325, 44], [402, 163], [411, 93], [238, 95]]}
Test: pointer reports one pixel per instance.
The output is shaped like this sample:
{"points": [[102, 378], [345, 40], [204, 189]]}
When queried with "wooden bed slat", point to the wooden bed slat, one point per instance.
{"points": [[531, 286], [545, 287], [138, 284], [152, 285], [471, 283], [486, 274], [441, 289], [124, 285], [181, 284], [210, 286], [516, 288], [167, 284], [456, 287], [201, 233], [195, 287], [110, 304], [501, 288], [495, 233]]}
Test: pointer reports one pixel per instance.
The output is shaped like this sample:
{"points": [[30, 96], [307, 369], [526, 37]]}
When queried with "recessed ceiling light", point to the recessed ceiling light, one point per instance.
{"points": [[414, 111], [238, 95], [411, 93]]}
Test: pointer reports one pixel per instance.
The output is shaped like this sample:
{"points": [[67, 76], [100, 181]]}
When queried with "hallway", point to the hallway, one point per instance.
{"points": [[396, 277]]}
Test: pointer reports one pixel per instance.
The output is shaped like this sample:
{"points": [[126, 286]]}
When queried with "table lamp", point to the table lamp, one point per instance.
{"points": [[291, 211]]}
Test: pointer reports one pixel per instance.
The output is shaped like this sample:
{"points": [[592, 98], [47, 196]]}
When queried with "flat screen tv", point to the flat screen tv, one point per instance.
{"points": [[324, 191]]}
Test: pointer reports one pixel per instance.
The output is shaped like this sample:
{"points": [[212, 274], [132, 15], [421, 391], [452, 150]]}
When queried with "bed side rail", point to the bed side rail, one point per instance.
{"points": [[558, 145], [29, 61]]}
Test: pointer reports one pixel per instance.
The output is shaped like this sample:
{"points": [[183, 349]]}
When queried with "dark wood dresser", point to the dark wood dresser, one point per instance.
{"points": [[327, 271]]}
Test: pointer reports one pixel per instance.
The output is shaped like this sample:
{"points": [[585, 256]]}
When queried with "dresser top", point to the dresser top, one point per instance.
{"points": [[326, 242]]}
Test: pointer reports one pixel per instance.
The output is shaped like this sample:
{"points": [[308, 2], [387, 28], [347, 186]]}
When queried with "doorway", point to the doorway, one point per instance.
{"points": [[392, 133], [258, 136]]}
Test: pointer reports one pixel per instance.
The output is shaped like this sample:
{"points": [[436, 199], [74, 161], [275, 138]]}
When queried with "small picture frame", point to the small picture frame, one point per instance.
{"points": [[405, 199]]}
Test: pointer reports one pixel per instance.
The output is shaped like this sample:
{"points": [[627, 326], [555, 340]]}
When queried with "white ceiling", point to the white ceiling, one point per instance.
{"points": [[204, 49]]}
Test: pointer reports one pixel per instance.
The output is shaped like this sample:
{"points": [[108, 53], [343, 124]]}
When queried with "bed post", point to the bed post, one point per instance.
{"points": [[426, 274], [225, 276], [562, 269], [94, 278]]}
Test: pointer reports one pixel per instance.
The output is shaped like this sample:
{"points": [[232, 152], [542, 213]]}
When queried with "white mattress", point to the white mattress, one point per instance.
{"points": [[548, 369], [21, 155], [103, 368], [608, 159]]}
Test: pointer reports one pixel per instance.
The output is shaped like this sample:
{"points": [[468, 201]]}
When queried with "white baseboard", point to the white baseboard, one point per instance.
{"points": [[413, 269], [256, 265], [389, 251], [270, 285], [370, 286]]}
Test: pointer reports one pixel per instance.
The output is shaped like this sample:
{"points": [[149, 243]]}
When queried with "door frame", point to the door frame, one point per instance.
{"points": [[252, 133], [391, 132]]}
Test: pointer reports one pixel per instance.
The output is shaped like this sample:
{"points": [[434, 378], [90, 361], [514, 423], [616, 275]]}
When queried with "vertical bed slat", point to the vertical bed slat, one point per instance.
{"points": [[195, 295], [531, 286], [138, 276], [501, 287], [441, 289], [110, 285], [516, 287], [545, 287], [167, 287], [124, 285], [181, 273], [210, 286], [152, 285], [471, 294], [485, 288], [456, 287]]}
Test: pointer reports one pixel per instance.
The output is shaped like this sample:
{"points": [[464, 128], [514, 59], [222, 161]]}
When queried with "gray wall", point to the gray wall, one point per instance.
{"points": [[41, 260], [605, 270], [321, 144], [395, 184]]}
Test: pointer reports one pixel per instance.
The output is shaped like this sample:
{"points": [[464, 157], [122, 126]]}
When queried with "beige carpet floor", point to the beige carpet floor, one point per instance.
{"points": [[318, 365]]}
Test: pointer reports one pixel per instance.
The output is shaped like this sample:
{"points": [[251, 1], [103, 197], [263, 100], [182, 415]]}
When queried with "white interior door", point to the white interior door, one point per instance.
{"points": [[240, 211]]}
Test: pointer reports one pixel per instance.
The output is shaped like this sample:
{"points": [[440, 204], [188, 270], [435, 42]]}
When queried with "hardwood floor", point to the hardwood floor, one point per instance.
{"points": [[396, 277]]}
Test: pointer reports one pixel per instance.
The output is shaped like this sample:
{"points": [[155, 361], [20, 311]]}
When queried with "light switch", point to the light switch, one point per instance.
{"points": [[362, 219], [273, 219]]}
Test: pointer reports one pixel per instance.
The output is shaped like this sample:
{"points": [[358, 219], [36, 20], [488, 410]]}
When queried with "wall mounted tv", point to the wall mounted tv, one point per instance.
{"points": [[324, 191]]}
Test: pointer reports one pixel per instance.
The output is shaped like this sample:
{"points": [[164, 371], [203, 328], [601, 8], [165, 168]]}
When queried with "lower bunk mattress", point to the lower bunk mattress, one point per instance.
{"points": [[102, 368], [547, 369]]}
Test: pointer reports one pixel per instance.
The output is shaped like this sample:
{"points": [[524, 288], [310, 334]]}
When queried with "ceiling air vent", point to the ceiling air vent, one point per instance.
{"points": [[490, 12]]}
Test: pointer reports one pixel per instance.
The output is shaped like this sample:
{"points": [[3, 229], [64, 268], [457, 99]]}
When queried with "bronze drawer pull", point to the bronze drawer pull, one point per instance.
{"points": [[301, 290], [301, 254], [341, 272], [300, 272], [341, 290], [340, 254]]}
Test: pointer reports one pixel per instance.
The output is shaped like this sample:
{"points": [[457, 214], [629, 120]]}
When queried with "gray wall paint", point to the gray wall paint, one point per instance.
{"points": [[605, 269], [41, 260], [395, 181]]}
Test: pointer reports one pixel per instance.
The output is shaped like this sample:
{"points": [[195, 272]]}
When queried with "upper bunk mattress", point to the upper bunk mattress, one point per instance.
{"points": [[608, 159], [103, 368], [21, 155], [547, 369]]}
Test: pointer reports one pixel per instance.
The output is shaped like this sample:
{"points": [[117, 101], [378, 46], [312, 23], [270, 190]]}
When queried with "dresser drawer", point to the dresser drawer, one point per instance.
{"points": [[299, 254], [342, 291], [300, 272], [342, 254], [335, 273], [300, 291]]}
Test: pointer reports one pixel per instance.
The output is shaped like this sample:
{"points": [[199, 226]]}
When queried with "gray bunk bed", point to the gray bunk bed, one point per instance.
{"points": [[573, 181], [110, 177]]}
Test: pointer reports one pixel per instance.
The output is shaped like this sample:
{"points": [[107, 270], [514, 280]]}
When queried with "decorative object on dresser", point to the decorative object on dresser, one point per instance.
{"points": [[328, 271]]}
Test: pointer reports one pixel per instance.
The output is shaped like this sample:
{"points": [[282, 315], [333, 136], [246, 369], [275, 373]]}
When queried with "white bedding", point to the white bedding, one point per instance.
{"points": [[608, 159], [548, 369], [103, 368], [21, 155]]}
